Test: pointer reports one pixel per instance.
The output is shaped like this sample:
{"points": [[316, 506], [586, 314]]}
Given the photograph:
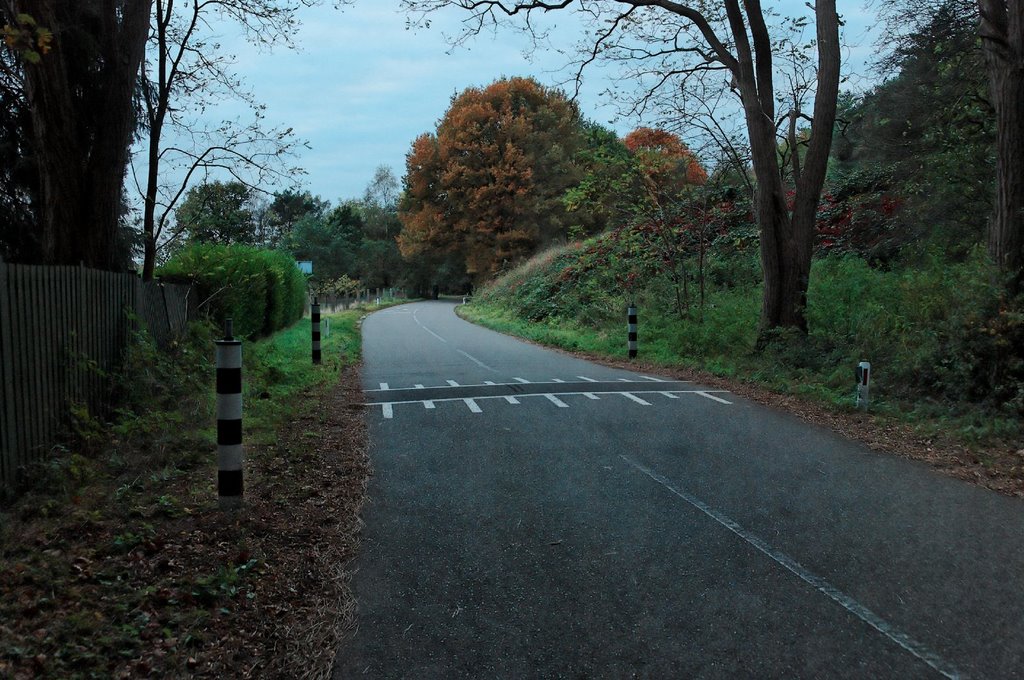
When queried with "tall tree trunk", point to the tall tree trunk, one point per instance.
{"points": [[83, 120], [1002, 35]]}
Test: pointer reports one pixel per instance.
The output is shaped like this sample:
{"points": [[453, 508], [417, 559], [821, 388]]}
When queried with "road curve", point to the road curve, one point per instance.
{"points": [[535, 515]]}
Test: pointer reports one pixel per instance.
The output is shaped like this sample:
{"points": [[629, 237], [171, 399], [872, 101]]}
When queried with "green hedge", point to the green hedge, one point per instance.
{"points": [[262, 290]]}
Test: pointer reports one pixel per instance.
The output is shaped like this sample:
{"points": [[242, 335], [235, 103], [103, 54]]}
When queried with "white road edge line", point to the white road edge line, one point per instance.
{"points": [[917, 649], [712, 397], [556, 401], [472, 406], [635, 398]]}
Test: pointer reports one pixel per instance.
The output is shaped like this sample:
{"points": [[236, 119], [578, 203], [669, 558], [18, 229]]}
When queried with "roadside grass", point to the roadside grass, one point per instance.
{"points": [[937, 333], [115, 560]]}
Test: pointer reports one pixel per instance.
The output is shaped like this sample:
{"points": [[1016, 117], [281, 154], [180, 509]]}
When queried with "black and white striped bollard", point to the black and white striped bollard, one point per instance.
{"points": [[229, 420], [631, 312], [863, 385], [314, 312]]}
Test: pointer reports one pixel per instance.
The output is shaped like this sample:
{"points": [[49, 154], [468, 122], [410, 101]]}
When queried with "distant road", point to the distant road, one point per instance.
{"points": [[532, 515]]}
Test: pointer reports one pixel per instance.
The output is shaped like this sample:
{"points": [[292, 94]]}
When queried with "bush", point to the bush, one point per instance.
{"points": [[261, 290]]}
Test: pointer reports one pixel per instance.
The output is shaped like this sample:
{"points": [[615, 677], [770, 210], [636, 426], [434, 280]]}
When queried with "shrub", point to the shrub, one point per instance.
{"points": [[261, 290]]}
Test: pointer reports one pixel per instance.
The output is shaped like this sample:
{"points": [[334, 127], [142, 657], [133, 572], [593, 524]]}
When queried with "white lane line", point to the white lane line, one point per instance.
{"points": [[522, 380], [512, 400], [647, 377], [583, 377], [476, 361], [428, 404], [452, 383], [669, 395], [591, 395], [556, 401], [420, 324], [851, 605], [472, 406], [635, 398], [557, 380], [389, 411], [384, 386], [712, 397]]}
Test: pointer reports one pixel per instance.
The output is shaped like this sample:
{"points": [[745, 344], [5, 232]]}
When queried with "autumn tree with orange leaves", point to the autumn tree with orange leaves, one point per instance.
{"points": [[488, 184]]}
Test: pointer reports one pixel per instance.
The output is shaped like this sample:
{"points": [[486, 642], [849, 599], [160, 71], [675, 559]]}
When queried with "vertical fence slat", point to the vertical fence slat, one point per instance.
{"points": [[8, 435]]}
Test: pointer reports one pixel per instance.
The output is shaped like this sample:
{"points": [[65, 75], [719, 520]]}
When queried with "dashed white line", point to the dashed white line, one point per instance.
{"points": [[476, 361], [512, 400], [488, 382], [452, 383], [420, 324], [583, 377], [669, 395], [626, 380], [712, 397], [591, 395], [917, 649], [635, 398], [418, 386], [428, 404], [557, 380], [522, 380], [389, 411], [556, 401], [647, 377], [472, 406], [384, 386]]}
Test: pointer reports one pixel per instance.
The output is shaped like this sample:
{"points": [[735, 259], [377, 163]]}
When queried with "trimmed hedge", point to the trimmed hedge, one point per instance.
{"points": [[262, 290]]}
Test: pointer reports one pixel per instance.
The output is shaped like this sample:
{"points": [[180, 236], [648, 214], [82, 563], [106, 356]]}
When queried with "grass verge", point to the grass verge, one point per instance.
{"points": [[117, 562]]}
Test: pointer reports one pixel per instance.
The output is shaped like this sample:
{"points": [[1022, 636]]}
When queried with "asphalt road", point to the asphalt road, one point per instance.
{"points": [[536, 516]]}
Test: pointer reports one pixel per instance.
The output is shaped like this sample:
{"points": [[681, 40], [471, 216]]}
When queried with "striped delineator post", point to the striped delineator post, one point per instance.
{"points": [[863, 384], [631, 313], [229, 420], [314, 312]]}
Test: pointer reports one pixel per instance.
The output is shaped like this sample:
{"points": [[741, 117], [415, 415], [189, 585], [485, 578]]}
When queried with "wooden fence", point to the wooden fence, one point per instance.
{"points": [[63, 331]]}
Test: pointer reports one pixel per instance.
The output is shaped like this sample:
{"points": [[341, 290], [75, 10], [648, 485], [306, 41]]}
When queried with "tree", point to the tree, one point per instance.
{"points": [[489, 184], [79, 94], [665, 165], [681, 46], [332, 242], [188, 73], [1002, 38], [220, 213]]}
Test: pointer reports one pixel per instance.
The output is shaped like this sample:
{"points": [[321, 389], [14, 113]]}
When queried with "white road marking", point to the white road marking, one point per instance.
{"points": [[647, 377], [418, 386], [712, 397], [384, 386], [512, 400], [583, 377], [452, 383], [420, 324], [635, 398], [591, 395], [476, 361], [488, 382], [428, 404], [556, 401], [389, 411], [669, 395], [626, 380], [472, 406], [522, 380], [557, 380], [851, 605]]}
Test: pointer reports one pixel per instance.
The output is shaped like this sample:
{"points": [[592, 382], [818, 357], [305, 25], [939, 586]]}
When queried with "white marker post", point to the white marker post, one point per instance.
{"points": [[863, 380]]}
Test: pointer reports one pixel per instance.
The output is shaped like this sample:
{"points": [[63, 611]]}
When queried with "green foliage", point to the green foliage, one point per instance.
{"points": [[261, 290], [218, 212]]}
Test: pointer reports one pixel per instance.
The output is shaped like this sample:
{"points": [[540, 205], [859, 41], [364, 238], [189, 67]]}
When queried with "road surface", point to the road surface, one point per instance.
{"points": [[534, 515]]}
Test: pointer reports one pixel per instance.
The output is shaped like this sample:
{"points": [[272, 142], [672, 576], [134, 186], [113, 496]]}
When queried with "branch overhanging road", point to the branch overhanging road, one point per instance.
{"points": [[534, 515]]}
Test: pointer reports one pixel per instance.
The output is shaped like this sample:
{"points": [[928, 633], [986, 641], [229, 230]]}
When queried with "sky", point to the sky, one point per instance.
{"points": [[361, 87]]}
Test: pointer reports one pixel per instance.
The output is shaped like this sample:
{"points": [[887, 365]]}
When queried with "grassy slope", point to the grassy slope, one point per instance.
{"points": [[117, 562], [907, 323]]}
